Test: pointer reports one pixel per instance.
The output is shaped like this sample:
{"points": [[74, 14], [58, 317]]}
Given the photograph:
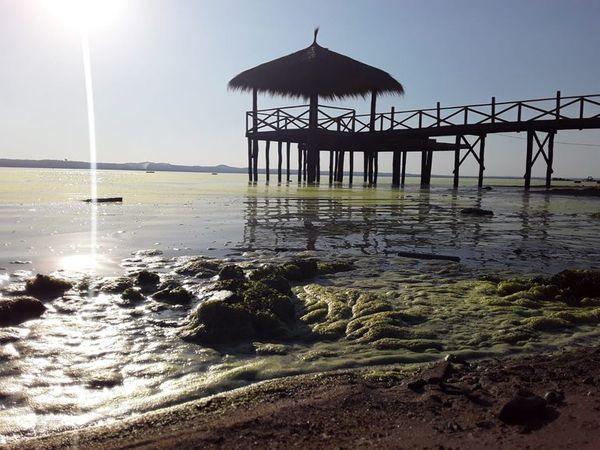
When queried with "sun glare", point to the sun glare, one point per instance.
{"points": [[88, 14]]}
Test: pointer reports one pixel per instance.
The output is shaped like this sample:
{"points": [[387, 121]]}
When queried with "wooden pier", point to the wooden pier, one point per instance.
{"points": [[343, 133]]}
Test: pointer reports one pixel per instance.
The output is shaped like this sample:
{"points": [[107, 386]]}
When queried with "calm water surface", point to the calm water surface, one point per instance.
{"points": [[91, 360]]}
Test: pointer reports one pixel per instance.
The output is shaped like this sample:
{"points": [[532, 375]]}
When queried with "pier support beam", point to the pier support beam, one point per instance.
{"points": [[300, 165], [472, 147], [403, 175], [396, 161], [249, 160], [279, 161], [255, 157], [268, 169], [340, 171], [351, 171], [287, 161], [545, 147]]}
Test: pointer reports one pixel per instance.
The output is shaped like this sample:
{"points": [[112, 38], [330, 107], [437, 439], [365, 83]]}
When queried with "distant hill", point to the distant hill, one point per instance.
{"points": [[166, 167]]}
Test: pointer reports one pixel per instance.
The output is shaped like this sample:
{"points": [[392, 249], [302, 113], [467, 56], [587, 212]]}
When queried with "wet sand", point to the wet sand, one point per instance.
{"points": [[448, 405]]}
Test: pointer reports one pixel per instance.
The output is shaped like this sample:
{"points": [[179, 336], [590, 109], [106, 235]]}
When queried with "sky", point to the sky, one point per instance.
{"points": [[160, 71]]}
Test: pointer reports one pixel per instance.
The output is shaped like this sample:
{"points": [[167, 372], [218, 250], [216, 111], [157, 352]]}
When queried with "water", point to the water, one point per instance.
{"points": [[88, 361]]}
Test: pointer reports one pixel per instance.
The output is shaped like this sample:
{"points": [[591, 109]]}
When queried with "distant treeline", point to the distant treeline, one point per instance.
{"points": [[155, 167]]}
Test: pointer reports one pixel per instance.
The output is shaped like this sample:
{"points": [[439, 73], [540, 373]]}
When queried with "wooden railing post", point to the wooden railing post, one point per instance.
{"points": [[420, 119], [519, 108], [392, 112], [438, 114], [581, 107], [493, 110], [557, 113]]}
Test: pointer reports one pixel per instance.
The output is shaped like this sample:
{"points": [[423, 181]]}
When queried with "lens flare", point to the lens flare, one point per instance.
{"points": [[88, 14]]}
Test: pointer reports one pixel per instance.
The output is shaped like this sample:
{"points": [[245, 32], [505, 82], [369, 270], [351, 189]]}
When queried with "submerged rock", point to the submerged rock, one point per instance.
{"points": [[46, 287], [199, 268], [14, 311], [477, 212]]}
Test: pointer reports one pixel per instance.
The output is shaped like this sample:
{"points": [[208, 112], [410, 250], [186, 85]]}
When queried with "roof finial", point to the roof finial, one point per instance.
{"points": [[316, 32]]}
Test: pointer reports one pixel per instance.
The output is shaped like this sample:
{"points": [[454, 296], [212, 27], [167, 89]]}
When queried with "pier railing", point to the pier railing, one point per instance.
{"points": [[346, 120]]}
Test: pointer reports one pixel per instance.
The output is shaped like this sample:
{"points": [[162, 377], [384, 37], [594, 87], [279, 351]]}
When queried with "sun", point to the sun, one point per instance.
{"points": [[85, 14]]}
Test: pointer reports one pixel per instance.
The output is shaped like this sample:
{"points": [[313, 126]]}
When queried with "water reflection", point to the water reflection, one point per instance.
{"points": [[530, 232]]}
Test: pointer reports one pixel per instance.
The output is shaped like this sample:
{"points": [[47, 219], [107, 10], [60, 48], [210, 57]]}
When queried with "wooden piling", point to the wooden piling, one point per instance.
{"points": [[255, 166], [396, 156], [481, 160], [351, 174], [341, 167], [375, 167], [250, 160], [366, 166], [403, 176], [287, 161], [528, 157], [299, 163], [457, 161], [549, 169], [330, 166], [279, 161], [423, 168], [267, 160]]}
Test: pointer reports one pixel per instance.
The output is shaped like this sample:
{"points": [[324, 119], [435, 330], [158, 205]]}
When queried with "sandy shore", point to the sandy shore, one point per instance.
{"points": [[449, 405]]}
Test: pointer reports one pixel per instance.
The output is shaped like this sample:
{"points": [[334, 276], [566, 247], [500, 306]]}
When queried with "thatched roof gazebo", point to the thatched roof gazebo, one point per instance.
{"points": [[312, 73]]}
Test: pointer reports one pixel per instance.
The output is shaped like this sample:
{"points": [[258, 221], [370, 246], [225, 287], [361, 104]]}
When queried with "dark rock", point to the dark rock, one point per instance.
{"points": [[577, 283], [554, 397], [147, 279], [588, 380], [115, 285], [325, 267], [173, 293], [14, 311], [132, 295], [438, 373], [477, 212], [199, 268], [231, 272], [46, 287], [417, 385], [218, 322], [106, 380], [525, 407], [456, 360], [299, 270]]}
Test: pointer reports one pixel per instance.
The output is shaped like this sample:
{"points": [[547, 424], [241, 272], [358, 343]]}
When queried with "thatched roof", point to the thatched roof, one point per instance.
{"points": [[316, 70]]}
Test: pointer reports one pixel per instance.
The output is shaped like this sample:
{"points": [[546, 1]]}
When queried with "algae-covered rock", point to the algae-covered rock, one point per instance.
{"points": [[545, 323], [199, 268], [172, 292], [47, 287], [14, 311], [325, 267], [146, 279], [115, 285], [413, 345], [578, 283], [132, 295], [270, 348], [231, 272], [508, 287], [259, 310]]}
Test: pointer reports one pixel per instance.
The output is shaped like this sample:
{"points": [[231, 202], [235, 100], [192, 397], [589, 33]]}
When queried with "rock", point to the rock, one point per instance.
{"points": [[217, 322], [46, 287], [325, 267], [14, 311], [476, 212], [231, 272], [417, 385], [173, 293], [105, 380], [525, 407], [438, 373], [132, 295], [456, 359], [147, 279], [553, 397], [115, 285], [199, 268]]}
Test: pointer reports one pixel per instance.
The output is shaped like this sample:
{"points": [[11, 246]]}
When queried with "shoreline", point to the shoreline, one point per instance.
{"points": [[449, 403]]}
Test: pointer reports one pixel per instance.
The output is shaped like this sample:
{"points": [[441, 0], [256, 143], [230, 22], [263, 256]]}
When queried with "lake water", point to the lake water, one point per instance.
{"points": [[91, 360]]}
